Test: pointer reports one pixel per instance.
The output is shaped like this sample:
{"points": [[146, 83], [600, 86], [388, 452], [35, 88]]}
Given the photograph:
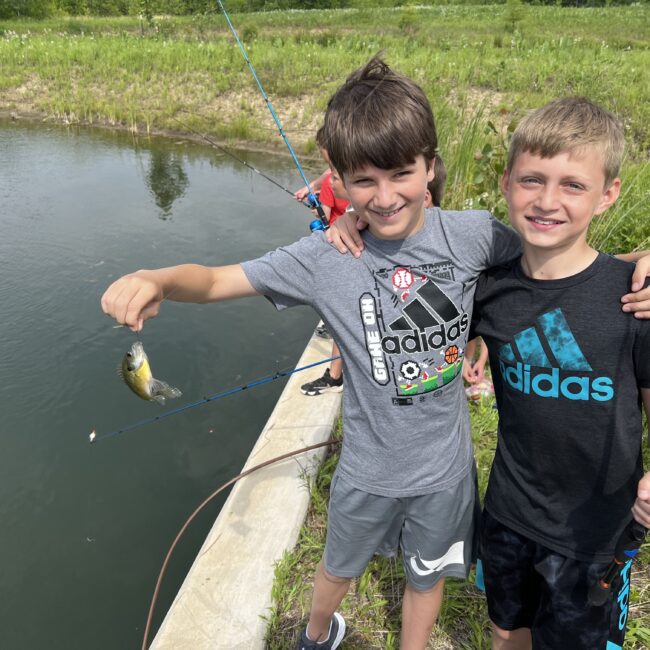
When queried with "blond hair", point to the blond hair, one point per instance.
{"points": [[570, 125]]}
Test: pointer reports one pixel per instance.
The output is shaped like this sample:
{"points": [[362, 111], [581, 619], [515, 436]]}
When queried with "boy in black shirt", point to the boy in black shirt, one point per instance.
{"points": [[570, 371]]}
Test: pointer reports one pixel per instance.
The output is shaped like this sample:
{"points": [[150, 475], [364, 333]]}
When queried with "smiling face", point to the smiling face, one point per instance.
{"points": [[551, 201], [390, 200]]}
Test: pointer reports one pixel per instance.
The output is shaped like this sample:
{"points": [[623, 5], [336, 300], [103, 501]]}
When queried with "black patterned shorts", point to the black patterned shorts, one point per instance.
{"points": [[529, 585]]}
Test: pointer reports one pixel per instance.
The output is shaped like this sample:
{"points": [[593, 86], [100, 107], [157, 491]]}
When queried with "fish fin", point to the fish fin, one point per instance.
{"points": [[163, 389], [120, 372], [158, 398]]}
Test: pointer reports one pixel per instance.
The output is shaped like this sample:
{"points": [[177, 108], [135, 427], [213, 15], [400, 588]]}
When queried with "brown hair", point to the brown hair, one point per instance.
{"points": [[437, 186], [379, 117], [570, 125]]}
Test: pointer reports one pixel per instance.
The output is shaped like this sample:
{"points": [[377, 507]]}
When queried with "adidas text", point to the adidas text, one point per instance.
{"points": [[623, 597], [547, 383], [417, 341]]}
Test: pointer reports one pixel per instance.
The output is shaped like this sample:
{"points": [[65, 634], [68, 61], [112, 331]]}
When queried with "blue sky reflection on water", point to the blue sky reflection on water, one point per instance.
{"points": [[85, 528]]}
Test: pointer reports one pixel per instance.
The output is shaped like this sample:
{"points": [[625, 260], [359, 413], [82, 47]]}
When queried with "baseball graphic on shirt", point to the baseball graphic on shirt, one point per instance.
{"points": [[402, 278]]}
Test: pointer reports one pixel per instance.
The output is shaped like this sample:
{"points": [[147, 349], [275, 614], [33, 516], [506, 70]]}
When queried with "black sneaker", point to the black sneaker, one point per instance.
{"points": [[324, 384], [323, 332], [337, 632]]}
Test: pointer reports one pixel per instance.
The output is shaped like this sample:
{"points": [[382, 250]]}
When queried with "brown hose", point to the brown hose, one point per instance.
{"points": [[196, 512]]}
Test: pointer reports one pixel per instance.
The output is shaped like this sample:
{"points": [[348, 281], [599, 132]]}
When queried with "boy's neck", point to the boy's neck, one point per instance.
{"points": [[541, 264]]}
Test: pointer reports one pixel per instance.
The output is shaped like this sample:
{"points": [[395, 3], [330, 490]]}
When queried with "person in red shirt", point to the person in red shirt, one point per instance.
{"points": [[330, 191], [333, 198]]}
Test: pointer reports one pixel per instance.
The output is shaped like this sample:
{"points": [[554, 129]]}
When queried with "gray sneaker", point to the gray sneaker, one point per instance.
{"points": [[337, 632], [324, 384]]}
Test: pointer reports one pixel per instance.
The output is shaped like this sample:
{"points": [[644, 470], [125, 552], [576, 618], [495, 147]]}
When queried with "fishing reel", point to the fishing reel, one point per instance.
{"points": [[321, 223], [311, 202], [317, 224]]}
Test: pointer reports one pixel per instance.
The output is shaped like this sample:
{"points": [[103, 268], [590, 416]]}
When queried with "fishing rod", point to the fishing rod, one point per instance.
{"points": [[627, 547], [232, 481], [318, 224], [93, 437], [232, 155]]}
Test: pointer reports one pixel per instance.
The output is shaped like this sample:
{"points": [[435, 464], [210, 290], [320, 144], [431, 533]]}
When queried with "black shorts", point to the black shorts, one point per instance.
{"points": [[529, 585]]}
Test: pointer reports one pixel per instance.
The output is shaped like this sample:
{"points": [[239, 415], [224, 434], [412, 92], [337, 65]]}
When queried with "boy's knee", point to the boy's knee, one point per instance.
{"points": [[520, 634], [418, 590], [337, 580]]}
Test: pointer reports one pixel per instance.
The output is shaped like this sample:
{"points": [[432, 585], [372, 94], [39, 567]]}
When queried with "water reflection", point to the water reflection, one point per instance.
{"points": [[166, 178], [80, 208]]}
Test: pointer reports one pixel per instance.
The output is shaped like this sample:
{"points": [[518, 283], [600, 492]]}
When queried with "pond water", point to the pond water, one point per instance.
{"points": [[85, 528]]}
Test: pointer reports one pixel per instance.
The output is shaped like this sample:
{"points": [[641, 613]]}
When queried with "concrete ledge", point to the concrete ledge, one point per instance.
{"points": [[228, 589]]}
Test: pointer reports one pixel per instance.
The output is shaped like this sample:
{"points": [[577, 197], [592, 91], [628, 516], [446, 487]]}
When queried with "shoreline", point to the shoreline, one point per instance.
{"points": [[253, 146]]}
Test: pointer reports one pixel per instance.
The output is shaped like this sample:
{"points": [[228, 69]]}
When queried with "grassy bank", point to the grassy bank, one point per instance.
{"points": [[372, 606], [480, 65]]}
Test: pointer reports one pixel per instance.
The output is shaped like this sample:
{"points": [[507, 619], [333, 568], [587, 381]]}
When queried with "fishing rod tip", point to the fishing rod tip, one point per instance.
{"points": [[92, 436]]}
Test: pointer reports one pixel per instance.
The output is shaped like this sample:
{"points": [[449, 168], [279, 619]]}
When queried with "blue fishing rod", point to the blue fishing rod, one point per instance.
{"points": [[317, 224], [93, 437]]}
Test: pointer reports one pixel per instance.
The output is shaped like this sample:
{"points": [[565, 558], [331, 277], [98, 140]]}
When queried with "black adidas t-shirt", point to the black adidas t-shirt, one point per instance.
{"points": [[567, 365]]}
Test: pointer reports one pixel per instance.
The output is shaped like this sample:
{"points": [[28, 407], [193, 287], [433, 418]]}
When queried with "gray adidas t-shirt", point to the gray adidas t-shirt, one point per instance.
{"points": [[401, 315]]}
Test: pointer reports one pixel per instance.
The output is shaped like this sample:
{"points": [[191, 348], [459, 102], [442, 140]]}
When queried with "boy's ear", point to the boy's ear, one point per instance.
{"points": [[504, 183], [609, 196]]}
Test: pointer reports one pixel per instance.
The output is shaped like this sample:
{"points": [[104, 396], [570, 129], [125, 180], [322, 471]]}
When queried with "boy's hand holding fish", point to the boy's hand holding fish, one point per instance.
{"points": [[136, 297]]}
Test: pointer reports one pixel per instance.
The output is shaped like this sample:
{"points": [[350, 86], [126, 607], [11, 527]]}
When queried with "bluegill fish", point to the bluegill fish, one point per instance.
{"points": [[136, 373]]}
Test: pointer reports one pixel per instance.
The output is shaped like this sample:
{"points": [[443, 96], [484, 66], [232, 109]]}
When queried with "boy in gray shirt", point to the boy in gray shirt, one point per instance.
{"points": [[401, 315]]}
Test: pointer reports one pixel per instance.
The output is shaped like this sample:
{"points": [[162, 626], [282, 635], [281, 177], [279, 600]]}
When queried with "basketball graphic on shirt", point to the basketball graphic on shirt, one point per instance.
{"points": [[451, 354], [402, 278]]}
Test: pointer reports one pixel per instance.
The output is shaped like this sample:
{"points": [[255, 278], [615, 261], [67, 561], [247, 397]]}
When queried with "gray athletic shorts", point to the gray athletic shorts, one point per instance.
{"points": [[437, 532]]}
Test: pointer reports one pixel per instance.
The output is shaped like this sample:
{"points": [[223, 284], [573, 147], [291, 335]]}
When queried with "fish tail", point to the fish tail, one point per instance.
{"points": [[163, 389]]}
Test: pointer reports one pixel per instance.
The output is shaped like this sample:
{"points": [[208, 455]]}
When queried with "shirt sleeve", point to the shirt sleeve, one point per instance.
{"points": [[288, 276], [478, 240], [326, 196], [475, 325], [505, 245]]}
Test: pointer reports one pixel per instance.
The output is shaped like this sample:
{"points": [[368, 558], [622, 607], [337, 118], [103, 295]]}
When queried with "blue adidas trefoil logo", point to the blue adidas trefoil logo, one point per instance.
{"points": [[529, 366]]}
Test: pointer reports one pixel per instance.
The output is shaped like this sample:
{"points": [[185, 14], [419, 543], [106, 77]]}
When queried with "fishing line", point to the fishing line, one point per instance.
{"points": [[232, 155], [196, 512], [212, 398], [314, 225]]}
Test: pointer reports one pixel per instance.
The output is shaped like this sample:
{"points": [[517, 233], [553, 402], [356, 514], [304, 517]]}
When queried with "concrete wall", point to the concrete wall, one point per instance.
{"points": [[228, 589]]}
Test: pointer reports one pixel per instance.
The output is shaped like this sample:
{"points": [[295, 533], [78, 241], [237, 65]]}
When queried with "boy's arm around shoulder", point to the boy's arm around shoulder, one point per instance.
{"points": [[137, 297], [641, 507]]}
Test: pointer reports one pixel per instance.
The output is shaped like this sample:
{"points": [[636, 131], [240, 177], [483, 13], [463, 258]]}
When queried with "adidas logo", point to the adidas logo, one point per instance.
{"points": [[431, 320], [545, 355]]}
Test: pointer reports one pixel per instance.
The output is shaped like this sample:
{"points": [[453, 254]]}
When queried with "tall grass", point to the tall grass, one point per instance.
{"points": [[481, 66]]}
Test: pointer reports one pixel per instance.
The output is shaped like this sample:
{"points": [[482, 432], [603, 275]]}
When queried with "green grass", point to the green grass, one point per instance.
{"points": [[478, 65], [372, 606]]}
